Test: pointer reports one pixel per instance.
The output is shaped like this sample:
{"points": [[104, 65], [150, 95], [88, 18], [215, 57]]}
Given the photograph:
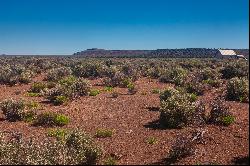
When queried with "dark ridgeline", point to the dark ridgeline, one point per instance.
{"points": [[94, 52], [162, 53]]}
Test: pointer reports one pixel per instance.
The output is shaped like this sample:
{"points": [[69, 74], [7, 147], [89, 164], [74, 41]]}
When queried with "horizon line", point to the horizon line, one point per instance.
{"points": [[6, 54]]}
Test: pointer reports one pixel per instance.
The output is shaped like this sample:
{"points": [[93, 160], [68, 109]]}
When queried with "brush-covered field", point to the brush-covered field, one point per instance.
{"points": [[61, 110]]}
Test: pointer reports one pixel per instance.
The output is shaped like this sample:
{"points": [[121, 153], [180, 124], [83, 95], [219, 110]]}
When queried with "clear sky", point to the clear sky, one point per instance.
{"points": [[67, 26]]}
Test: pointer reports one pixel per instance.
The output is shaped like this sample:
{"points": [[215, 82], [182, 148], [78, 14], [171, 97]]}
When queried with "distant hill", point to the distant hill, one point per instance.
{"points": [[94, 52], [164, 53]]}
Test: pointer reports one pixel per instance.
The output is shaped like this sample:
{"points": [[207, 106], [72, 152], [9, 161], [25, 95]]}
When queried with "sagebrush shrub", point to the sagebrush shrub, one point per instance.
{"points": [[235, 69], [68, 89], [208, 74], [116, 80], [58, 73], [176, 76], [179, 108], [15, 74], [176, 109], [194, 85], [26, 76], [238, 89], [77, 148], [154, 72], [82, 87], [87, 70], [182, 147], [81, 146], [51, 94], [130, 70], [220, 113], [12, 109]]}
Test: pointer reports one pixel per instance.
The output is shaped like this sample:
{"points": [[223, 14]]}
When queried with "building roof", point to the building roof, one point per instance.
{"points": [[227, 52]]}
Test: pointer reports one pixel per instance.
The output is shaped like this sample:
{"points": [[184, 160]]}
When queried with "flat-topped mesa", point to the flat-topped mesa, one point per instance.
{"points": [[94, 52], [163, 53]]}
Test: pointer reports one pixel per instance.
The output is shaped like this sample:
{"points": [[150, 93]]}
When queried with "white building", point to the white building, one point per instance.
{"points": [[227, 54]]}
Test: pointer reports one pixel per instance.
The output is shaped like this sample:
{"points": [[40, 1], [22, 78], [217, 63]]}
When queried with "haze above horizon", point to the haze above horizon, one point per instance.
{"points": [[54, 27]]}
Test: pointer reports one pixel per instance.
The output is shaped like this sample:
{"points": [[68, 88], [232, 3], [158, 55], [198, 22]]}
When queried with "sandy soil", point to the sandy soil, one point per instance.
{"points": [[134, 121]]}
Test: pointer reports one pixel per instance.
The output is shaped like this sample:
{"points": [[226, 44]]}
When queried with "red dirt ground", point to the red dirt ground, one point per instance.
{"points": [[133, 122]]}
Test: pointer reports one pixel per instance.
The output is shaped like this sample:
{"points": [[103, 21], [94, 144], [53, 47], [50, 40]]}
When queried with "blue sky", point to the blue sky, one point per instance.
{"points": [[67, 26]]}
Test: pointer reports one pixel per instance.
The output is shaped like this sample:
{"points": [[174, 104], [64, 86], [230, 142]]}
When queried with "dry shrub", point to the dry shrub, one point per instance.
{"points": [[77, 149]]}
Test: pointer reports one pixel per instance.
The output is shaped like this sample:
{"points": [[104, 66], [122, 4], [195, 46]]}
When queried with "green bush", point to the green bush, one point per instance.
{"points": [[131, 88], [51, 119], [37, 87], [77, 149], [29, 116], [238, 89], [59, 100], [32, 105], [94, 92], [67, 81], [126, 82], [104, 133], [59, 134], [13, 110], [108, 89], [227, 120], [31, 94]]}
